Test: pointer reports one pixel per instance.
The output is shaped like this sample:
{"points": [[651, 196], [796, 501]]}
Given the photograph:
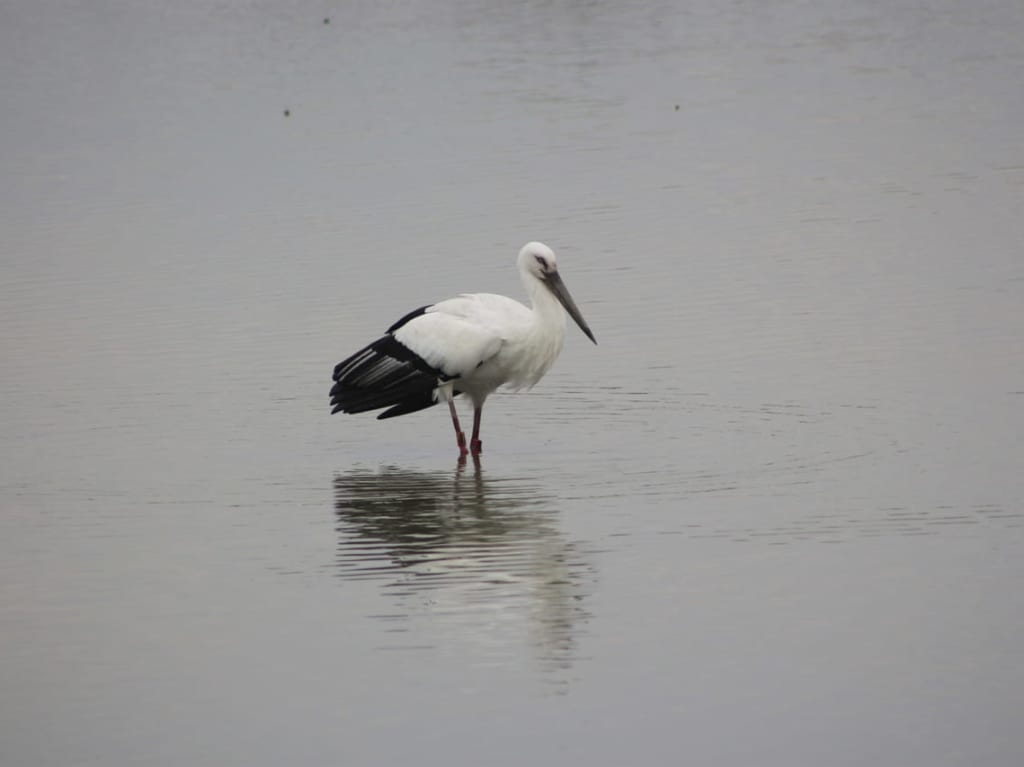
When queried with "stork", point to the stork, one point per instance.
{"points": [[471, 345]]}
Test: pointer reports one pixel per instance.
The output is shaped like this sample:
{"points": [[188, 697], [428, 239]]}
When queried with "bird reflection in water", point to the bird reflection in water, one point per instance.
{"points": [[482, 553]]}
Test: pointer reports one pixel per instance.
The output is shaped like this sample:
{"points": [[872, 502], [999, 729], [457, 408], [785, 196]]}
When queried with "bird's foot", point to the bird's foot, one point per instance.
{"points": [[461, 439], [476, 447]]}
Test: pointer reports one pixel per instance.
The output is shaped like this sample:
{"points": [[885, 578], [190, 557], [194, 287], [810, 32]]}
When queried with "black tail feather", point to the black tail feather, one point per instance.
{"points": [[413, 403], [384, 374], [418, 401]]}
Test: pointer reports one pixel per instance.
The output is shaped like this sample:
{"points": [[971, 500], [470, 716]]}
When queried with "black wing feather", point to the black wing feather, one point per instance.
{"points": [[385, 374]]}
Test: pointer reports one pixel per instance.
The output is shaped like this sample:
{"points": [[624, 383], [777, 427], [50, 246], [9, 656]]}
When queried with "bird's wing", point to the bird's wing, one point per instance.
{"points": [[428, 346], [451, 336]]}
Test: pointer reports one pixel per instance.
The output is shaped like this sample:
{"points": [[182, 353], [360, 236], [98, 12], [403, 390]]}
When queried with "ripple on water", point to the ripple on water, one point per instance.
{"points": [[482, 554]]}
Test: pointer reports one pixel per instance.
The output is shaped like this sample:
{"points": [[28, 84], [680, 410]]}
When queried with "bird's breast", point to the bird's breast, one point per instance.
{"points": [[528, 359]]}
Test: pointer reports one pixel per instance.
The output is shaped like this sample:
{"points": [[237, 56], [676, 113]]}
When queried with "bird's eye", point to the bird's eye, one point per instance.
{"points": [[542, 262]]}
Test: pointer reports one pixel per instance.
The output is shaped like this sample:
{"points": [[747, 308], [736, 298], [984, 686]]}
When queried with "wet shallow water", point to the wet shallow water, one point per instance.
{"points": [[773, 518]]}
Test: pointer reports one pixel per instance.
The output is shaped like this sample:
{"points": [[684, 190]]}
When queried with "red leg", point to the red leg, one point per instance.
{"points": [[460, 438], [475, 445]]}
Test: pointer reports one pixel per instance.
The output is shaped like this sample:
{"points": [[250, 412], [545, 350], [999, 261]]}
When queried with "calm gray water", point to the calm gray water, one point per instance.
{"points": [[776, 517]]}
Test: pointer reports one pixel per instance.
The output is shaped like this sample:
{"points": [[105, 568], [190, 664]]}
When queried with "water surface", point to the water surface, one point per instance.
{"points": [[773, 518]]}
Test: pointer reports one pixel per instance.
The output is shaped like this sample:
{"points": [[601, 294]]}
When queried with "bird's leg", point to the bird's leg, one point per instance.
{"points": [[475, 445], [460, 438]]}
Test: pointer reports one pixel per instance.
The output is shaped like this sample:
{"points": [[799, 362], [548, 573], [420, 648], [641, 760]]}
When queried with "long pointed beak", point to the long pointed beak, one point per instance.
{"points": [[556, 286]]}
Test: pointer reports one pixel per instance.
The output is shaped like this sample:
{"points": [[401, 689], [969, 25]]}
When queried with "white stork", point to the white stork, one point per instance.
{"points": [[468, 345]]}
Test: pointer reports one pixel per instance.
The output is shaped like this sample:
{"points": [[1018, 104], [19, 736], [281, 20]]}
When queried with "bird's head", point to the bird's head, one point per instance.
{"points": [[537, 260]]}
